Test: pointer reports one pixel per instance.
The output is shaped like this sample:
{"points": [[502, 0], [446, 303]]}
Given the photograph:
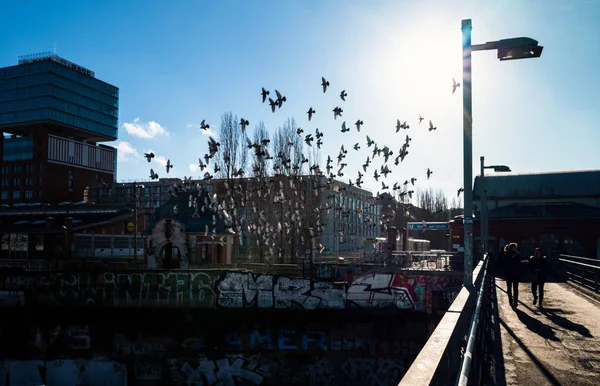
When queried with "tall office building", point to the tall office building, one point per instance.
{"points": [[53, 115]]}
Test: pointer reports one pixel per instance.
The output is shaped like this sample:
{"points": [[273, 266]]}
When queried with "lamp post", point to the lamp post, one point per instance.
{"points": [[483, 217], [135, 219], [508, 49]]}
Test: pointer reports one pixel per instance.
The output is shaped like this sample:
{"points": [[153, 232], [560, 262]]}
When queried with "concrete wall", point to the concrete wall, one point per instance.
{"points": [[425, 291], [267, 348]]}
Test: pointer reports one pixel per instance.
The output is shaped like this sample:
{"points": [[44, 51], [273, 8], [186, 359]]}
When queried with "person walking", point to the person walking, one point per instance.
{"points": [[512, 263], [538, 263]]}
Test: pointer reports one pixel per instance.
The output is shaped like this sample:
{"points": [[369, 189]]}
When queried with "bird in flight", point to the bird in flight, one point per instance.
{"points": [[149, 156], [420, 118], [429, 173], [264, 94], [273, 104], [431, 127], [337, 112], [169, 166], [358, 124], [454, 85], [203, 125], [310, 113], [244, 123], [343, 95], [460, 190], [325, 84]]}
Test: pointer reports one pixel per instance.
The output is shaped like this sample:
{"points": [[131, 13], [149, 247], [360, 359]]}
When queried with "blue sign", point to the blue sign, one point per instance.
{"points": [[434, 226]]}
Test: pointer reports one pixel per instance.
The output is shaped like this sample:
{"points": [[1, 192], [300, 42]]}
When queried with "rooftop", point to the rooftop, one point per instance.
{"points": [[556, 184]]}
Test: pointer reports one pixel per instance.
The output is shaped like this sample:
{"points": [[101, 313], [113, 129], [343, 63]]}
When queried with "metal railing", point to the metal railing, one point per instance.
{"points": [[454, 351], [474, 355], [28, 265], [581, 270]]}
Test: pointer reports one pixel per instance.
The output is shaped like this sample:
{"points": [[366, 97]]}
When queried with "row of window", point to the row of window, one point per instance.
{"points": [[61, 93], [16, 195], [28, 181], [60, 105], [58, 116], [70, 76], [16, 169]]}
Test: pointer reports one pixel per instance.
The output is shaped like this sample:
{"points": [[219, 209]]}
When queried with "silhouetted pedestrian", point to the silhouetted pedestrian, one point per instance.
{"points": [[538, 263], [512, 263]]}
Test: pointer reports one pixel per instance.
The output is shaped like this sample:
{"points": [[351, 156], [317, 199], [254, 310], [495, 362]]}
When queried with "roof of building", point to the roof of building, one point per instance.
{"points": [[546, 211], [558, 184]]}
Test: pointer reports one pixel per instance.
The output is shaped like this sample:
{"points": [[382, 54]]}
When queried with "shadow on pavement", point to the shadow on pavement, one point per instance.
{"points": [[497, 372], [520, 302], [536, 326], [553, 381], [566, 323]]}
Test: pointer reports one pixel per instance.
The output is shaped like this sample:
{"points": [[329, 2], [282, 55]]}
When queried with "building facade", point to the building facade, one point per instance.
{"points": [[53, 116], [354, 216], [557, 211]]}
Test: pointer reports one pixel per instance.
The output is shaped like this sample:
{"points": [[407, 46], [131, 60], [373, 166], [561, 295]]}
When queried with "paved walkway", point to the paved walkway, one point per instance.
{"points": [[559, 346]]}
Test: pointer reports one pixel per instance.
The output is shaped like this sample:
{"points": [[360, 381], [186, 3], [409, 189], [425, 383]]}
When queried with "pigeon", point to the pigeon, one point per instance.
{"points": [[264, 94], [310, 113], [420, 118], [337, 112], [358, 124], [431, 127], [280, 99], [343, 95], [325, 84], [169, 166], [273, 104], [429, 173], [244, 123], [149, 156], [459, 190], [153, 175], [454, 85], [204, 126]]}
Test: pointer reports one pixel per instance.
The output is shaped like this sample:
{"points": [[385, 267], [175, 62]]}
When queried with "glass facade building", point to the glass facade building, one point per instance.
{"points": [[49, 90]]}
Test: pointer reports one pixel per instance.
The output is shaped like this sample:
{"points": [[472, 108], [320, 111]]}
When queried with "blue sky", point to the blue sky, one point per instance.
{"points": [[179, 62]]}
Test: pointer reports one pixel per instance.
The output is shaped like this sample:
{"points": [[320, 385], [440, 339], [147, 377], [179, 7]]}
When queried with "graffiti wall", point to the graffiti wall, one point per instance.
{"points": [[230, 290], [264, 351]]}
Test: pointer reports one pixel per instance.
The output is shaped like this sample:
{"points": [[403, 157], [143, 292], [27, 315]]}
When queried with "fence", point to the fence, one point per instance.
{"points": [[581, 270]]}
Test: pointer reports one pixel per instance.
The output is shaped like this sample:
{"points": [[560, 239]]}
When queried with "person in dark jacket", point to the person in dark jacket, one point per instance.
{"points": [[512, 262], [538, 264]]}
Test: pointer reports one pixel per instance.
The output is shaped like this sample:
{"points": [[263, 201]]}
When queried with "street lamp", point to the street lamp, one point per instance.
{"points": [[136, 198], [508, 49], [483, 212]]}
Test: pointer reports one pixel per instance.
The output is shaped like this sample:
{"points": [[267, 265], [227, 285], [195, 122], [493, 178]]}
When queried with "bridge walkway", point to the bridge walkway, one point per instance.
{"points": [[557, 346]]}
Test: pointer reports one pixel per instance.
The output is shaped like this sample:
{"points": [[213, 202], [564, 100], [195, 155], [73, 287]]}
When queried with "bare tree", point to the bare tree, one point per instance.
{"points": [[434, 202], [260, 163], [232, 155]]}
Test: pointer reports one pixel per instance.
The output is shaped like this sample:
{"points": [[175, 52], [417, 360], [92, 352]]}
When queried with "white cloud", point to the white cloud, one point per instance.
{"points": [[126, 152], [194, 168], [159, 159], [146, 130], [208, 132]]}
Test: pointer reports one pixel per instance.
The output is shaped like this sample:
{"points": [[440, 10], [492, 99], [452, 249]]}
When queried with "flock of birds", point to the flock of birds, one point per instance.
{"points": [[289, 188]]}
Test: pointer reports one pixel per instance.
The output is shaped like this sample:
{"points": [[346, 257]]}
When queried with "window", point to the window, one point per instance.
{"points": [[70, 184], [16, 169], [16, 194], [16, 182], [28, 194], [4, 195], [40, 181], [5, 170], [28, 181]]}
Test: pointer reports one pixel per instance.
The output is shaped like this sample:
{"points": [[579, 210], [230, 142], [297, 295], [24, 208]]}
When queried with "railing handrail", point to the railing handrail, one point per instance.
{"points": [[579, 257], [424, 368], [578, 263], [465, 369]]}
